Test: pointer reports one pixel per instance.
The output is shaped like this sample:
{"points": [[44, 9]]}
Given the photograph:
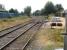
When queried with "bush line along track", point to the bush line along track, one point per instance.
{"points": [[13, 28], [25, 38], [8, 38]]}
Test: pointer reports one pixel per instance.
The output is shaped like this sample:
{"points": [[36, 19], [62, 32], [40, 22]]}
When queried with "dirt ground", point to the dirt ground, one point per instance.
{"points": [[43, 40]]}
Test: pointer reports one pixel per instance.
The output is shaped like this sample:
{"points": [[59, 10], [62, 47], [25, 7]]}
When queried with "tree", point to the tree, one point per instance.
{"points": [[49, 8], [36, 13], [59, 8], [27, 11], [11, 10], [22, 13], [14, 12], [42, 12]]}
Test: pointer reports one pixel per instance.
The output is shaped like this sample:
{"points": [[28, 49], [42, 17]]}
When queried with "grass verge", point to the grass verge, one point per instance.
{"points": [[51, 38], [9, 22]]}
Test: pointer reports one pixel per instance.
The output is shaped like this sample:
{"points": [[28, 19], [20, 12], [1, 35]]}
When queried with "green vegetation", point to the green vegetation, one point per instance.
{"points": [[27, 11], [55, 35], [36, 13], [9, 22], [49, 9], [49, 47], [51, 38], [13, 11]]}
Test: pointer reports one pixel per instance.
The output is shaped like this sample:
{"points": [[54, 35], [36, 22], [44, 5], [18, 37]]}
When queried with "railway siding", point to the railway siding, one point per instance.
{"points": [[7, 39], [22, 41]]}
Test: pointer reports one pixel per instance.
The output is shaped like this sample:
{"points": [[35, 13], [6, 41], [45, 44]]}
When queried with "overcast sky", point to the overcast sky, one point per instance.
{"points": [[35, 4]]}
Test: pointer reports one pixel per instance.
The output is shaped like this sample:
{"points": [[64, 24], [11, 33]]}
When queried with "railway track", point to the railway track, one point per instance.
{"points": [[13, 34], [21, 42], [13, 28]]}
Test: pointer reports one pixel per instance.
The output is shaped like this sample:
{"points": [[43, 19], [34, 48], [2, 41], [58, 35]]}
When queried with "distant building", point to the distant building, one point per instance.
{"points": [[3, 12]]}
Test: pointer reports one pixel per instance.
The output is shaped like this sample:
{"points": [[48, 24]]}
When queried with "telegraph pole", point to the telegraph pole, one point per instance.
{"points": [[65, 35]]}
